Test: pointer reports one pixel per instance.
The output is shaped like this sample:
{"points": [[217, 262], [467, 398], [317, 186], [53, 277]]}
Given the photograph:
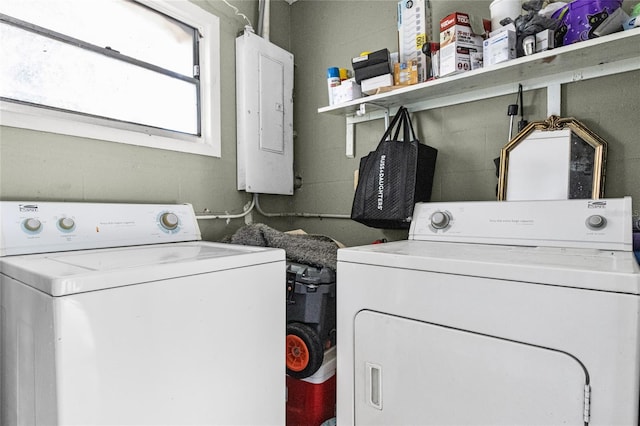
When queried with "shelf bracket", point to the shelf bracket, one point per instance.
{"points": [[363, 111], [360, 116]]}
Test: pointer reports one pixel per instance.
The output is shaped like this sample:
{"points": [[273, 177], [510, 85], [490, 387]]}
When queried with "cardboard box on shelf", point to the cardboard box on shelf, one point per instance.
{"points": [[371, 58], [371, 65], [414, 26], [545, 40], [500, 47], [405, 74], [457, 44], [371, 71], [456, 57], [347, 91], [371, 86], [456, 28]]}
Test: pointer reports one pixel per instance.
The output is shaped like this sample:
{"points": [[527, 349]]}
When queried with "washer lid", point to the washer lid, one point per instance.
{"points": [[60, 274], [606, 270]]}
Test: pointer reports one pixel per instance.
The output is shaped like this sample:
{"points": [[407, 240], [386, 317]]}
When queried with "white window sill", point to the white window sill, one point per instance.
{"points": [[33, 118]]}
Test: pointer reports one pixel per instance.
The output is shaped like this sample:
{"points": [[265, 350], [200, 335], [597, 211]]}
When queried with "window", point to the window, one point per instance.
{"points": [[143, 72]]}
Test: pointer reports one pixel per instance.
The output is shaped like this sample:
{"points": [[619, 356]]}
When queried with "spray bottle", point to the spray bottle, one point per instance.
{"points": [[333, 80]]}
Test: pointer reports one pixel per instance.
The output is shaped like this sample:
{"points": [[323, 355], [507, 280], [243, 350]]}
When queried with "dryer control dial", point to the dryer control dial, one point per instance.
{"points": [[169, 221], [596, 222], [66, 223], [440, 219], [32, 224]]}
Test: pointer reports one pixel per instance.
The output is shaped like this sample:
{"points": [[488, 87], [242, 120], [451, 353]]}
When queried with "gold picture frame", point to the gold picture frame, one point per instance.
{"points": [[558, 158]]}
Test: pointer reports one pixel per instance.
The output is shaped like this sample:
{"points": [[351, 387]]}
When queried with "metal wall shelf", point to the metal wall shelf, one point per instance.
{"points": [[612, 54]]}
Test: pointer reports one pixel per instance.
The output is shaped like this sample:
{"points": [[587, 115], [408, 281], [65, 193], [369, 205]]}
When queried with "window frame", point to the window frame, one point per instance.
{"points": [[208, 143]]}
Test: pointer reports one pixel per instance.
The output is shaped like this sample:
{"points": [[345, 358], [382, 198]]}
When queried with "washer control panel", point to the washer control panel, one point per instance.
{"points": [[39, 227], [602, 224], [440, 219]]}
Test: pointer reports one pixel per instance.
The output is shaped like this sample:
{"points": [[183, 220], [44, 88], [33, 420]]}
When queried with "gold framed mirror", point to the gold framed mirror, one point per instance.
{"points": [[558, 158]]}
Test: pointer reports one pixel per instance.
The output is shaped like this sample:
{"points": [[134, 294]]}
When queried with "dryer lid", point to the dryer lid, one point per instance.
{"points": [[65, 273], [605, 270]]}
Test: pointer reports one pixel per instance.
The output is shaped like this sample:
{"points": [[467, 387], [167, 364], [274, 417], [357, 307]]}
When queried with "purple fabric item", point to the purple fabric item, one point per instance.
{"points": [[580, 18]]}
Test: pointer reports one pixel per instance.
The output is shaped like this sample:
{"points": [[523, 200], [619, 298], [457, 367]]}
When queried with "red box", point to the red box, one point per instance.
{"points": [[456, 28], [312, 401]]}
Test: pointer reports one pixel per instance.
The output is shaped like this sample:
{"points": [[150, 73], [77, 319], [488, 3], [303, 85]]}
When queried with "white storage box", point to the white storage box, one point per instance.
{"points": [[545, 40], [371, 86], [348, 90], [456, 57], [500, 47]]}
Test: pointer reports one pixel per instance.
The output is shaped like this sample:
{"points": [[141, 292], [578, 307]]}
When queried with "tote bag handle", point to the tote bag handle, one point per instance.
{"points": [[393, 124], [405, 123]]}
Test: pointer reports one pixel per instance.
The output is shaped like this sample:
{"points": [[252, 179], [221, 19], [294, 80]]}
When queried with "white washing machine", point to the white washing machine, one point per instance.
{"points": [[493, 313], [125, 318]]}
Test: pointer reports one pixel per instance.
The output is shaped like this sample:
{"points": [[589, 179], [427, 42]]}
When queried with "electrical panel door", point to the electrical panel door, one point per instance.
{"points": [[264, 86]]}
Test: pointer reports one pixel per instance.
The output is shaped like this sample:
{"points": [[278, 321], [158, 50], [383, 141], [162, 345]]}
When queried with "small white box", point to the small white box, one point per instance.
{"points": [[508, 27], [477, 60], [545, 40], [499, 48], [370, 86], [348, 90]]}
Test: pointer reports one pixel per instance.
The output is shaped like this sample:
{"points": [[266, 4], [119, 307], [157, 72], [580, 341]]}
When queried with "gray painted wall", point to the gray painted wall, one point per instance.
{"points": [[468, 136], [44, 166]]}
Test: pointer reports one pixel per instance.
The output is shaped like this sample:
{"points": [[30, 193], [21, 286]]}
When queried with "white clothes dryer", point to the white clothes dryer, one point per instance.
{"points": [[118, 314], [493, 313]]}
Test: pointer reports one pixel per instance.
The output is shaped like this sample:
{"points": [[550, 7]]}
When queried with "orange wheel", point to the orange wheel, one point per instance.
{"points": [[297, 353], [304, 350]]}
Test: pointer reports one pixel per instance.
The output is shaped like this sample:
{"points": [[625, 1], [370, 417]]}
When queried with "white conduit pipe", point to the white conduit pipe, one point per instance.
{"points": [[266, 18], [245, 212], [256, 203], [318, 215]]}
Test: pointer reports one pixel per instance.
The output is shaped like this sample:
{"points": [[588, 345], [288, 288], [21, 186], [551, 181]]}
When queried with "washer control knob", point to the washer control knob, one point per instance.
{"points": [[66, 223], [32, 224], [440, 220], [596, 222], [169, 221]]}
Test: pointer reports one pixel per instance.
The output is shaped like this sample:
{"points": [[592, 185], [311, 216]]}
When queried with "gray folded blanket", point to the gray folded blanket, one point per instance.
{"points": [[314, 250]]}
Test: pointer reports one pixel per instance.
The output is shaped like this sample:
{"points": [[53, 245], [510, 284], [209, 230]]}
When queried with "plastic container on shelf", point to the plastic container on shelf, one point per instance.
{"points": [[501, 9]]}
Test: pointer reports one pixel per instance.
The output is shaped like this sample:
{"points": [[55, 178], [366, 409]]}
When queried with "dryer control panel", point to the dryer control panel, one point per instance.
{"points": [[40, 227], [598, 224]]}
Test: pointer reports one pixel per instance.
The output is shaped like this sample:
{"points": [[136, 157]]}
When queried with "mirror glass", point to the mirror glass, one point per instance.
{"points": [[555, 159]]}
